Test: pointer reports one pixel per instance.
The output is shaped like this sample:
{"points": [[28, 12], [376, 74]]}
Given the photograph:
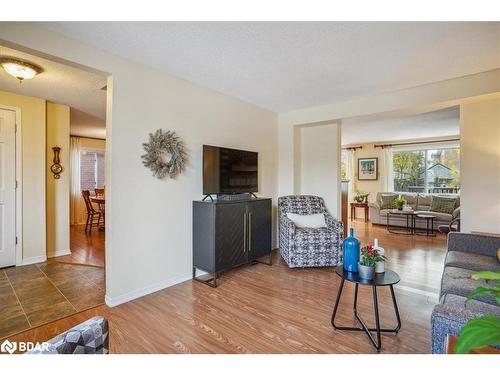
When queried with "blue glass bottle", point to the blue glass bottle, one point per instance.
{"points": [[351, 252]]}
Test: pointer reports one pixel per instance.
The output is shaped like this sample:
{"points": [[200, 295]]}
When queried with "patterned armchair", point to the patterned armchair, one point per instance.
{"points": [[304, 247], [89, 337]]}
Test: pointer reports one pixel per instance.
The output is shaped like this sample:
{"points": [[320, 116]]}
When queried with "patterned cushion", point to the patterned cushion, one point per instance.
{"points": [[443, 204], [387, 201], [90, 337], [471, 261]]}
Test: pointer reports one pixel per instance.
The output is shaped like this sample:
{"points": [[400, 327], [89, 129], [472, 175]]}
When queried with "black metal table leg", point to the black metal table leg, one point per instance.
{"points": [[339, 294], [396, 310], [377, 340]]}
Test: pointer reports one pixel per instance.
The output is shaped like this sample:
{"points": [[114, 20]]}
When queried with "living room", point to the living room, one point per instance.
{"points": [[153, 305]]}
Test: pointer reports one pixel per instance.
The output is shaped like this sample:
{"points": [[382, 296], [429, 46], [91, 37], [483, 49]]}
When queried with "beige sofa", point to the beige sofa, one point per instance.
{"points": [[421, 203]]}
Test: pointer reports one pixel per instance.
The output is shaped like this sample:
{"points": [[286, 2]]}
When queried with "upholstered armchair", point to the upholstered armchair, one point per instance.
{"points": [[306, 247]]}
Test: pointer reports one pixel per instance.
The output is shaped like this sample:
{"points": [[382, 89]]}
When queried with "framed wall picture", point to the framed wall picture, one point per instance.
{"points": [[367, 168]]}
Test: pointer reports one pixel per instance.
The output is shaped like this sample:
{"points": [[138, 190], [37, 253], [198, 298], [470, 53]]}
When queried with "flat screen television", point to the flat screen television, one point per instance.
{"points": [[229, 171]]}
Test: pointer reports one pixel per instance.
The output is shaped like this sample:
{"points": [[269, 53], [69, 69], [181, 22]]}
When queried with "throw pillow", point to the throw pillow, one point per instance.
{"points": [[313, 221], [387, 201], [445, 205]]}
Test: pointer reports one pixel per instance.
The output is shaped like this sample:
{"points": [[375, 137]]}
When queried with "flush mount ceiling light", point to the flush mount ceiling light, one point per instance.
{"points": [[20, 69]]}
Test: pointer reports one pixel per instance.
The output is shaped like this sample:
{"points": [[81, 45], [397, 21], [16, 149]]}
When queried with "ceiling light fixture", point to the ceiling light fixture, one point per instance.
{"points": [[20, 69]]}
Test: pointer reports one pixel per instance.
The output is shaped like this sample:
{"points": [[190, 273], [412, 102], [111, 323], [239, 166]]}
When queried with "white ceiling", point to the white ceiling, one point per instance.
{"points": [[443, 123], [290, 65], [59, 83]]}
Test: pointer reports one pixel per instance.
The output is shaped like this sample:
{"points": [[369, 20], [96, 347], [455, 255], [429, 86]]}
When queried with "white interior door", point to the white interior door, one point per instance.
{"points": [[7, 188]]}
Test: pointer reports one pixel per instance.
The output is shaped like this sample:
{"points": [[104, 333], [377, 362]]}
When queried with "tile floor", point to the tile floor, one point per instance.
{"points": [[39, 293]]}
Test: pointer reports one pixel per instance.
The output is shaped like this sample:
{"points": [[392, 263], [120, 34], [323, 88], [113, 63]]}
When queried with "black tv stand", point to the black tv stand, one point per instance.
{"points": [[228, 234]]}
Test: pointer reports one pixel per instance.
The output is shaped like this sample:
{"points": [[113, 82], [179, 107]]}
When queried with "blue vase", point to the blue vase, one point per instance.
{"points": [[351, 252]]}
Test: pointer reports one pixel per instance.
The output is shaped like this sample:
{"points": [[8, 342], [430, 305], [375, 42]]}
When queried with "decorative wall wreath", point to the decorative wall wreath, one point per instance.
{"points": [[165, 154]]}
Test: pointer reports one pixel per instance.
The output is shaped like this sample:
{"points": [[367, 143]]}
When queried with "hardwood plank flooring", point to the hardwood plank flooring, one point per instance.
{"points": [[87, 249], [262, 309]]}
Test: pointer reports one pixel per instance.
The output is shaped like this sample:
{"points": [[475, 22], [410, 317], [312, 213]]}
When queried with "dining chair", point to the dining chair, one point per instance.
{"points": [[99, 192], [93, 215]]}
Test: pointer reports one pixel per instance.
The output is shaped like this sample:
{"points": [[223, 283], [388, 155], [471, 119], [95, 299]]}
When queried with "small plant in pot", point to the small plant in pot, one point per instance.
{"points": [[369, 257], [399, 203]]}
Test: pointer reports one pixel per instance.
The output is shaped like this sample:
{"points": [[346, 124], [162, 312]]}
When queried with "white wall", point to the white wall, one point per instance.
{"points": [[480, 165], [320, 164], [149, 222], [57, 199]]}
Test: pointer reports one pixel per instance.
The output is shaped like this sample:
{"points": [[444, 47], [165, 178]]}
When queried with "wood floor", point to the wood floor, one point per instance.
{"points": [[262, 309], [86, 248]]}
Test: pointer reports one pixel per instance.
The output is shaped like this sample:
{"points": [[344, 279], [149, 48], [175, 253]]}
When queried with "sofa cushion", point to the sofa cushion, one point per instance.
{"points": [[313, 221], [439, 215], [458, 281], [451, 315], [443, 204], [471, 261], [469, 309], [411, 199], [424, 201], [387, 201]]}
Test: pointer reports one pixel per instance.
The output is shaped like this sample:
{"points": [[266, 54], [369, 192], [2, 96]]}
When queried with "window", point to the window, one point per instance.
{"points": [[343, 165], [427, 171], [91, 169]]}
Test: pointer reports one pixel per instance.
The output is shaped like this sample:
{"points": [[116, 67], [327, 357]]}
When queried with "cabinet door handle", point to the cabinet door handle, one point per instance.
{"points": [[249, 231], [245, 232]]}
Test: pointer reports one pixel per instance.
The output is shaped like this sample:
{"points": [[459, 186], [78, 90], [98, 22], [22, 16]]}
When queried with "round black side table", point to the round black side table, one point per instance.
{"points": [[388, 278]]}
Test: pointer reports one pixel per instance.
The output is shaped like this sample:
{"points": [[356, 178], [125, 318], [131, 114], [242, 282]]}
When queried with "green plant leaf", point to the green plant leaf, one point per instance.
{"points": [[478, 333], [486, 275]]}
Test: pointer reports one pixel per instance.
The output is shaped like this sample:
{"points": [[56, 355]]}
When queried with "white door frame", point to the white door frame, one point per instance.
{"points": [[19, 183]]}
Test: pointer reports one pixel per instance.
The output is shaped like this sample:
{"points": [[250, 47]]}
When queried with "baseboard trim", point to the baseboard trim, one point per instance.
{"points": [[126, 297], [59, 253], [33, 260]]}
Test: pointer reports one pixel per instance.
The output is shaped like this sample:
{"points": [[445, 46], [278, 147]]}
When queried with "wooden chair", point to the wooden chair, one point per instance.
{"points": [[99, 192], [93, 216]]}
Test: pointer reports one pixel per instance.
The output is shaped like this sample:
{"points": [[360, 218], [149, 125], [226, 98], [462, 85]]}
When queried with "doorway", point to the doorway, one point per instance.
{"points": [[7, 187]]}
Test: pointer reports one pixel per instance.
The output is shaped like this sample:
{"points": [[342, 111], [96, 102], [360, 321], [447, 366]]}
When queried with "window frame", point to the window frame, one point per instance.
{"points": [[425, 149]]}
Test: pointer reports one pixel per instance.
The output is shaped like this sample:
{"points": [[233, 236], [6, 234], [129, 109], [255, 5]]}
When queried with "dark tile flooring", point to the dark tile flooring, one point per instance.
{"points": [[39, 293]]}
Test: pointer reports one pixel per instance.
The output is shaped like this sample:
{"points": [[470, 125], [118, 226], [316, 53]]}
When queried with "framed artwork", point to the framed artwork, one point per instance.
{"points": [[367, 168]]}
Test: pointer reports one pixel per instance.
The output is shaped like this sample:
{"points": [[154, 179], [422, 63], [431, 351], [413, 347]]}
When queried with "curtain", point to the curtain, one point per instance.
{"points": [[351, 174], [387, 172], [75, 193]]}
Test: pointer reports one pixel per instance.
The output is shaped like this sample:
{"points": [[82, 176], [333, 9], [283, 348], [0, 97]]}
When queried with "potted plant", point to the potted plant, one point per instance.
{"points": [[369, 257], [485, 330], [399, 202]]}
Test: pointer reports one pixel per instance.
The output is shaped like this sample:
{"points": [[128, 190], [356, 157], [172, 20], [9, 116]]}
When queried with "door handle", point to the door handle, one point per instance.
{"points": [[249, 231], [245, 232]]}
